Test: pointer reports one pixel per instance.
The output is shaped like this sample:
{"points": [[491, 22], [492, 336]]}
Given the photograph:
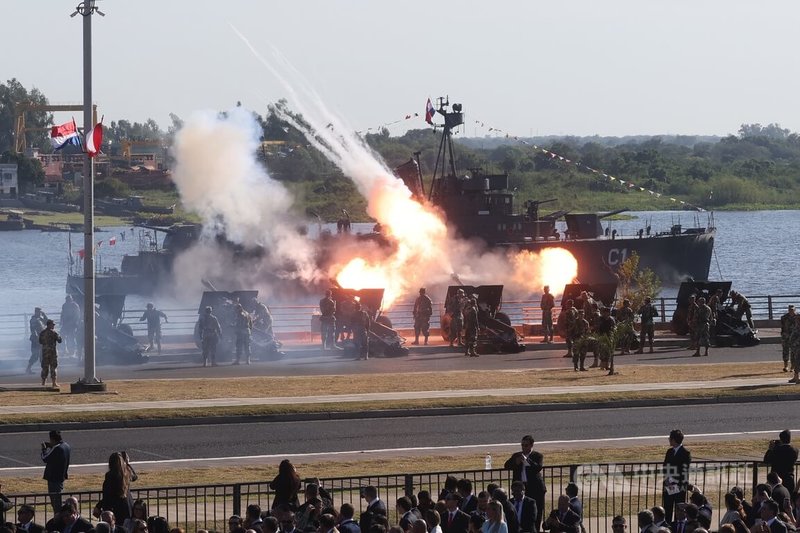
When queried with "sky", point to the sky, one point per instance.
{"points": [[527, 67]]}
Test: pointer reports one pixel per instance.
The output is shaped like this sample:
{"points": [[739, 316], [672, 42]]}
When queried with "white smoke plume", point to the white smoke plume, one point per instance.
{"points": [[219, 178]]}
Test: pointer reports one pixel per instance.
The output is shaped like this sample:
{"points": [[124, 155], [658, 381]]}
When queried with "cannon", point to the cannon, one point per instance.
{"points": [[601, 293], [263, 344], [495, 332], [729, 330], [115, 343], [383, 340]]}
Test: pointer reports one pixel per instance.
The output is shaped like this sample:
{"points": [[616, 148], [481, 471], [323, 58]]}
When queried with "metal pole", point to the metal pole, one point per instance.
{"points": [[89, 381]]}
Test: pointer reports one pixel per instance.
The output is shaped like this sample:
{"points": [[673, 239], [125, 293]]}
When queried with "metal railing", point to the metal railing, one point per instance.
{"points": [[605, 489], [297, 318]]}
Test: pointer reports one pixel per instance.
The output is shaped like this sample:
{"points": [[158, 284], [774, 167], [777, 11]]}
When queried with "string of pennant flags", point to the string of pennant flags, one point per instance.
{"points": [[82, 252], [629, 184]]}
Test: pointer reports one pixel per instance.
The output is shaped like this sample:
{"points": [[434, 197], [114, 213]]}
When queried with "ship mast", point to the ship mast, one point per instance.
{"points": [[445, 157]]}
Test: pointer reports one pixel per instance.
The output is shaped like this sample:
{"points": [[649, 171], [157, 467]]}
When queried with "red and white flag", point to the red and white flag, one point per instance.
{"points": [[94, 139], [112, 241], [429, 112]]}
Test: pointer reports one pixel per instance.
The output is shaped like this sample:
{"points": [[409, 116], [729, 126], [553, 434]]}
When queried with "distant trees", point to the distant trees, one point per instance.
{"points": [[13, 93]]}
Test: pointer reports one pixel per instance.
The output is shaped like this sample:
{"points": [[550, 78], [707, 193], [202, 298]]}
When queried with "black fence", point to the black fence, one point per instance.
{"points": [[606, 490]]}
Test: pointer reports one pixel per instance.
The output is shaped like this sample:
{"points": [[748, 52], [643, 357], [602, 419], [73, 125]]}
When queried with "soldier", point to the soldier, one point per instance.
{"points": [[691, 309], [570, 320], [153, 317], [455, 307], [547, 304], [37, 324], [327, 321], [210, 332], [743, 308], [606, 335], [471, 327], [715, 303], [70, 320], [361, 325], [262, 318], [243, 325], [647, 312], [627, 335], [423, 309], [787, 327], [48, 339], [583, 340], [794, 347], [702, 325]]}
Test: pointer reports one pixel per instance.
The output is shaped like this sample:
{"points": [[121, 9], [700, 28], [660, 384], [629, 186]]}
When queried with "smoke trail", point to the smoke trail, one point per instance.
{"points": [[219, 178]]}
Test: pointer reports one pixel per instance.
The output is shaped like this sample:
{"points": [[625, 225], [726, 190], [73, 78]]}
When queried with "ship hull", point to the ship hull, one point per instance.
{"points": [[673, 258]]}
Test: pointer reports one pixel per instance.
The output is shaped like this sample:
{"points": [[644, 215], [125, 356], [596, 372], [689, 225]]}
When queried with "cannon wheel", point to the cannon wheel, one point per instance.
{"points": [[125, 328]]}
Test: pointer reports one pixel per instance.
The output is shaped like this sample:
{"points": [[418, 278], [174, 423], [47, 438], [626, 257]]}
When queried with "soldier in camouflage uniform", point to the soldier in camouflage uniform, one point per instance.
{"points": [[743, 308], [471, 328], [48, 339], [606, 336], [547, 304], [570, 324], [361, 327], [423, 309], [327, 321], [691, 309], [243, 326], [794, 346], [702, 325], [210, 332], [627, 335], [787, 327], [583, 340], [455, 307], [648, 313], [37, 324]]}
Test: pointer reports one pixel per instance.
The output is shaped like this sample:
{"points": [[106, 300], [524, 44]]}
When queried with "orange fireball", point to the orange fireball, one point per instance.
{"points": [[555, 267]]}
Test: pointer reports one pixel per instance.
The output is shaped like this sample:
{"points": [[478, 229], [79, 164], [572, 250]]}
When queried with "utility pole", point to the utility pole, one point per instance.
{"points": [[89, 382]]}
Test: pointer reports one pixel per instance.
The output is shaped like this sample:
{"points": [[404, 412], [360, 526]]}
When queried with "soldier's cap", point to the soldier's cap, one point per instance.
{"points": [[208, 309], [790, 306], [50, 322], [39, 308]]}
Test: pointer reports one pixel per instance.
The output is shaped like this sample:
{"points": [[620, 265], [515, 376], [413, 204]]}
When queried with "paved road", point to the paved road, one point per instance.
{"points": [[323, 440], [434, 359]]}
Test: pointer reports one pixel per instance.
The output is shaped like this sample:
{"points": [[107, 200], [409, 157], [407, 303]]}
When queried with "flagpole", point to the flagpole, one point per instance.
{"points": [[89, 382]]}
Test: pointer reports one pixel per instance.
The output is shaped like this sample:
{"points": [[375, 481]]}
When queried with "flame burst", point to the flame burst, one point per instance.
{"points": [[555, 267]]}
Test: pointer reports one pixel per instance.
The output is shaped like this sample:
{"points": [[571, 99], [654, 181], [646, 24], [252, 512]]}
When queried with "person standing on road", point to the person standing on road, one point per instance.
{"points": [[471, 328], [153, 317], [55, 455], [702, 326], [37, 324], [70, 320], [787, 326], [781, 456], [327, 321], [794, 347], [676, 473], [691, 310], [547, 304], [210, 332], [570, 327], [423, 309], [243, 326], [361, 329], [455, 308], [648, 313], [48, 339], [526, 466]]}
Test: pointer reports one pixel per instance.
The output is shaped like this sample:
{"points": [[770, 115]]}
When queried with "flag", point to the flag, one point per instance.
{"points": [[429, 112], [64, 134], [112, 241], [81, 253], [94, 139]]}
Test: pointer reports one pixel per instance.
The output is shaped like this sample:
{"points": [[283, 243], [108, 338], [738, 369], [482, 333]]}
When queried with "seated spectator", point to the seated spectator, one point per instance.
{"points": [[733, 510], [769, 516], [433, 520], [476, 523], [512, 523], [346, 522], [747, 507], [72, 522], [645, 520], [234, 523], [524, 508], [483, 503], [450, 484], [574, 502], [102, 527], [375, 508], [287, 522], [327, 524], [252, 518], [420, 526], [25, 519], [177, 530], [424, 502], [619, 524], [468, 502], [779, 493], [495, 522], [659, 517], [454, 520], [692, 522], [138, 512], [158, 524], [138, 526], [270, 525], [563, 519], [704, 511], [109, 518], [405, 513]]}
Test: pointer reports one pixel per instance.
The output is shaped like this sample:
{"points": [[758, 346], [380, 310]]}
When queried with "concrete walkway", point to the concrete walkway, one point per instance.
{"points": [[366, 398]]}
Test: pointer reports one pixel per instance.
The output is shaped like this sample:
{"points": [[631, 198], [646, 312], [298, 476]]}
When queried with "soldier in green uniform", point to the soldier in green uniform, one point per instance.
{"points": [[48, 339], [37, 324], [570, 320], [547, 304], [210, 332], [702, 325], [715, 303], [647, 312], [627, 335], [787, 327], [606, 340], [691, 309], [794, 346], [471, 328], [243, 326], [327, 321], [743, 308], [423, 309], [361, 328], [583, 341], [455, 308], [153, 317]]}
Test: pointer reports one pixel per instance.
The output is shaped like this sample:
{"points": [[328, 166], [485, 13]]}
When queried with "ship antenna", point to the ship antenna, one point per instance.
{"points": [[445, 157]]}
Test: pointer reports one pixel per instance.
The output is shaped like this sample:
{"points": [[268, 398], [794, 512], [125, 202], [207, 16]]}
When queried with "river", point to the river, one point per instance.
{"points": [[756, 250]]}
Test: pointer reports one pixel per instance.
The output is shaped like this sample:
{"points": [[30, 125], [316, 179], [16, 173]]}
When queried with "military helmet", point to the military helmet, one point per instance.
{"points": [[208, 309], [149, 305], [50, 323], [422, 290]]}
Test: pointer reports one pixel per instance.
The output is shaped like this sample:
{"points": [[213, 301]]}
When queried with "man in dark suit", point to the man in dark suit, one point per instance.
{"points": [[646, 524], [454, 520], [769, 513], [469, 502], [407, 513], [575, 503], [25, 520], [781, 457], [658, 517], [780, 493], [72, 522], [676, 473], [512, 523], [346, 522], [526, 466], [55, 454], [109, 518], [524, 508], [563, 519], [375, 507]]}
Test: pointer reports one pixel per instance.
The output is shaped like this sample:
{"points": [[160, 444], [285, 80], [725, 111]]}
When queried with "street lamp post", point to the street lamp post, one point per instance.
{"points": [[89, 382]]}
